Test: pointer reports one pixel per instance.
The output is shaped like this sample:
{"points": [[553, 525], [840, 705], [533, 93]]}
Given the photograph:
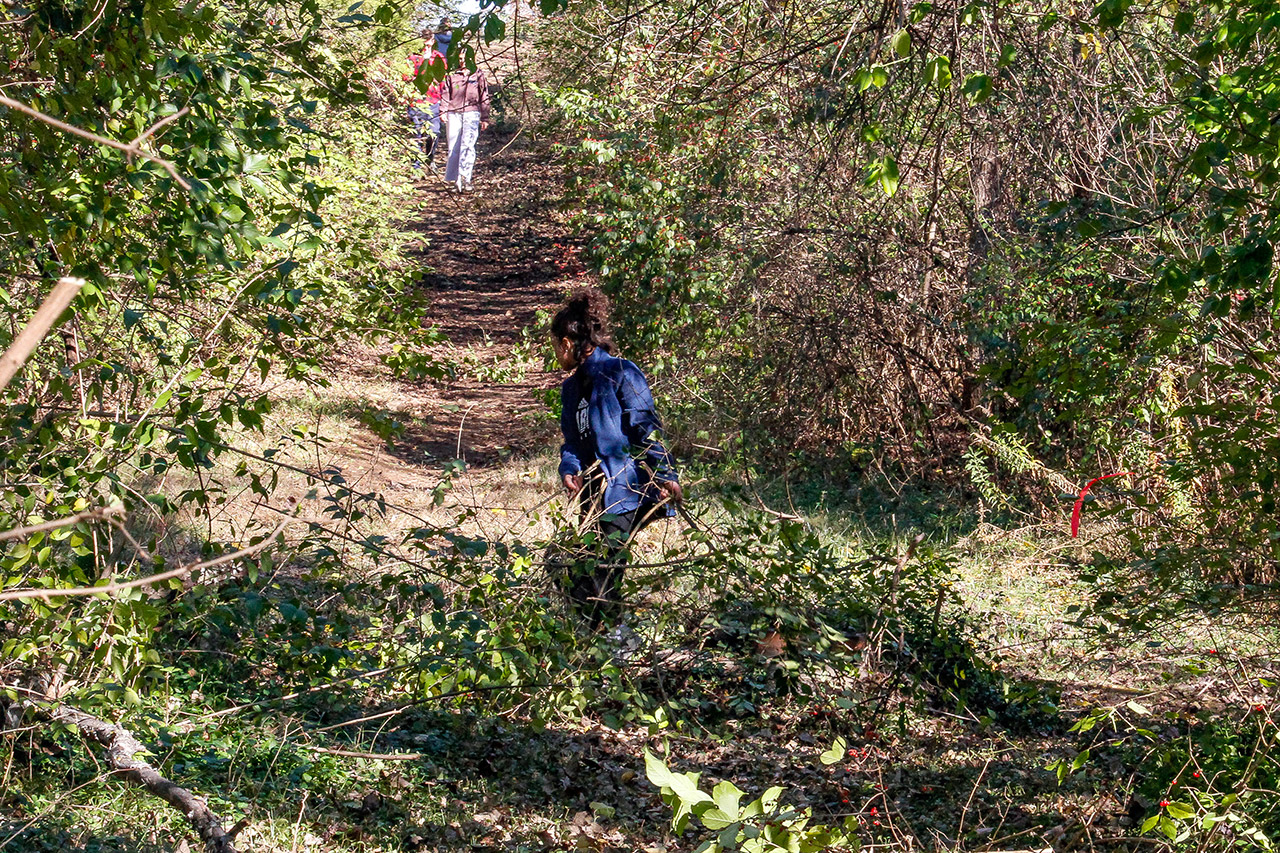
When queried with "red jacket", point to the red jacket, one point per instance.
{"points": [[433, 91]]}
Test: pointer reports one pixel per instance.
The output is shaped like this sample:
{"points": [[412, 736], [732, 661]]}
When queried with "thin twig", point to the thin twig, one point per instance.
{"points": [[101, 513], [132, 149], [378, 756], [19, 594]]}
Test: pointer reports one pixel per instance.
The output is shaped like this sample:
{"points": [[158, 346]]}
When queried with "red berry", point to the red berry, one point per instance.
{"points": [[1164, 804]]}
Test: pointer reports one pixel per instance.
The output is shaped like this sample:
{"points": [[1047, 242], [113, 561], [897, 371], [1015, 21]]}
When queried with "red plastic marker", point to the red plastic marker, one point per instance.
{"points": [[1075, 512]]}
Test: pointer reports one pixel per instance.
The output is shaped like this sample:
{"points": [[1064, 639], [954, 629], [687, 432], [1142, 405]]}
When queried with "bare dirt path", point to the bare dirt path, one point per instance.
{"points": [[490, 261], [494, 258]]}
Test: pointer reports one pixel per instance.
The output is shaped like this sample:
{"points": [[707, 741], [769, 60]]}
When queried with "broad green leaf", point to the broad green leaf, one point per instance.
{"points": [[727, 796], [1181, 811], [885, 171], [839, 745], [714, 819], [937, 72], [687, 789], [977, 88], [1148, 824], [656, 770], [901, 43]]}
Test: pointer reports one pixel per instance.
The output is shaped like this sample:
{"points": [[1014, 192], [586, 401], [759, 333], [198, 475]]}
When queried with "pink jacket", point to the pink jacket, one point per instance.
{"points": [[465, 93]]}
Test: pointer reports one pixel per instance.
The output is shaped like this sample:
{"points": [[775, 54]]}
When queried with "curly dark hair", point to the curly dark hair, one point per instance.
{"points": [[584, 319]]}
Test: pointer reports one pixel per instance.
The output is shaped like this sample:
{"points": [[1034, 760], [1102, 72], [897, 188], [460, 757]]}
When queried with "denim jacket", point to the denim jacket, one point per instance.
{"points": [[618, 427]]}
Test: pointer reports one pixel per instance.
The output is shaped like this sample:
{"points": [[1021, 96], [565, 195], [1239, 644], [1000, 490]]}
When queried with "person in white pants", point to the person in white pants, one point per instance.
{"points": [[464, 105]]}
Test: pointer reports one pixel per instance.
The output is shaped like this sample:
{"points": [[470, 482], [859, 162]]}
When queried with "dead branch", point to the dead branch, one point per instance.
{"points": [[123, 750], [46, 594], [39, 325], [131, 149], [372, 756], [102, 513]]}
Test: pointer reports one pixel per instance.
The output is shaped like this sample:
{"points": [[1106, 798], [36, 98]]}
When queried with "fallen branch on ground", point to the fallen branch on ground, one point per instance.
{"points": [[123, 750]]}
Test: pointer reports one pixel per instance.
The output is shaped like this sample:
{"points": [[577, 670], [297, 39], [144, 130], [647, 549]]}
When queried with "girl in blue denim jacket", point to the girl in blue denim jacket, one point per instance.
{"points": [[613, 461]]}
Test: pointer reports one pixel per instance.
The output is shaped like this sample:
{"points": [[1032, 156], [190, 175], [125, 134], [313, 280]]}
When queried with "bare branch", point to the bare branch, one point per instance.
{"points": [[46, 594], [132, 149], [102, 513], [34, 332]]}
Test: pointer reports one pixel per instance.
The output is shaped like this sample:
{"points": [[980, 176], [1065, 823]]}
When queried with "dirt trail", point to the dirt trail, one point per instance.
{"points": [[494, 260], [491, 260]]}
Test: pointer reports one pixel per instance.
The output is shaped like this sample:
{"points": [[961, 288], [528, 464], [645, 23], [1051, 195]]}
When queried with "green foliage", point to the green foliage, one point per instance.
{"points": [[1202, 787], [761, 826], [286, 243]]}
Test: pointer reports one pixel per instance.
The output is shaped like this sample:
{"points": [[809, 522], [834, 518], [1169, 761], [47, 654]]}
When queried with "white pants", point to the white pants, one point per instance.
{"points": [[464, 129]]}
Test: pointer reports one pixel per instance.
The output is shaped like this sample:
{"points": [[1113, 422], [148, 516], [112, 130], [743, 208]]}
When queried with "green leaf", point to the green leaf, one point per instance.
{"points": [[839, 745], [728, 839], [656, 770], [977, 88], [1148, 824], [885, 171], [938, 72], [494, 28], [901, 43], [1181, 811], [1007, 54], [687, 790], [715, 819], [727, 796]]}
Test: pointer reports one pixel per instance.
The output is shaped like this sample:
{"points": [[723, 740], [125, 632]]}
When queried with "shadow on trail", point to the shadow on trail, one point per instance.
{"points": [[492, 260], [489, 254]]}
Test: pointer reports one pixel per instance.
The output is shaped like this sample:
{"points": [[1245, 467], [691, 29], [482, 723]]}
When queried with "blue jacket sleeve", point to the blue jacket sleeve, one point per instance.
{"points": [[569, 461], [641, 425]]}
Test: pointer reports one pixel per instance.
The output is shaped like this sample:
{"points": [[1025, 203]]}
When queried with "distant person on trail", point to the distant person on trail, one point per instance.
{"points": [[424, 108], [465, 107], [613, 462], [443, 36]]}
